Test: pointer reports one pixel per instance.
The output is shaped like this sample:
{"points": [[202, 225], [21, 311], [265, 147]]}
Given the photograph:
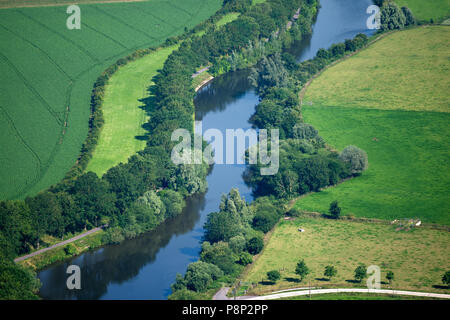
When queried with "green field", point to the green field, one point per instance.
{"points": [[408, 151], [37, 3], [48, 73], [122, 113], [418, 258], [426, 10]]}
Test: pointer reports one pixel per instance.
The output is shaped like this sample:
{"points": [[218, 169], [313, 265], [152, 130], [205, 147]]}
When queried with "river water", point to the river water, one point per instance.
{"points": [[145, 267]]}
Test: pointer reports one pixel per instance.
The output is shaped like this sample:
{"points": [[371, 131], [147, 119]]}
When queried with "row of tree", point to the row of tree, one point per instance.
{"points": [[232, 236]]}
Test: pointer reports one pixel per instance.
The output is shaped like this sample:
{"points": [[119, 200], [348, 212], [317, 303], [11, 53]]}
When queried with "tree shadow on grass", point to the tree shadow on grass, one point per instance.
{"points": [[354, 281], [323, 279], [267, 283], [437, 286], [295, 280]]}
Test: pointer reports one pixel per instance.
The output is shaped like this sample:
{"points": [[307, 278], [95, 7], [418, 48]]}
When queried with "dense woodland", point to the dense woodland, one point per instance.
{"points": [[134, 197]]}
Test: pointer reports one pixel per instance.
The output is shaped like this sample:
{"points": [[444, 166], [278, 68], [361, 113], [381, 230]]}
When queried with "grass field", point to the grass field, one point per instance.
{"points": [[418, 258], [122, 113], [408, 151], [426, 10], [48, 72]]}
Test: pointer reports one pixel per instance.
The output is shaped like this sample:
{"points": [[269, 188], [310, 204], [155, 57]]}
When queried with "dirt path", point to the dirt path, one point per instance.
{"points": [[59, 244]]}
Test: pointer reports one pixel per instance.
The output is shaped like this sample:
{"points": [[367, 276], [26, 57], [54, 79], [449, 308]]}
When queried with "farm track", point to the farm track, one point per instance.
{"points": [[32, 89], [124, 23], [84, 50], [24, 142]]}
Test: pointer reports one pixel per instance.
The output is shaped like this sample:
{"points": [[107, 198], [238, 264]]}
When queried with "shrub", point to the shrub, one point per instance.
{"points": [[273, 275], [254, 245], [356, 157], [245, 258], [70, 250]]}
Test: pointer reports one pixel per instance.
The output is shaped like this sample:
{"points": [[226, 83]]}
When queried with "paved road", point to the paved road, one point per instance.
{"points": [[351, 290], [199, 72], [59, 244]]}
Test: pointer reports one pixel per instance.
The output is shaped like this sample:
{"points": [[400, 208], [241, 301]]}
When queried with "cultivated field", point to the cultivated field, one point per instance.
{"points": [[426, 10], [418, 258], [392, 101], [48, 72], [39, 3]]}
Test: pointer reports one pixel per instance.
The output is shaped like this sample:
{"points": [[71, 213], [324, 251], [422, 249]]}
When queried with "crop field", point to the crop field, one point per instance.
{"points": [[48, 72], [426, 10], [39, 3], [418, 257], [361, 101]]}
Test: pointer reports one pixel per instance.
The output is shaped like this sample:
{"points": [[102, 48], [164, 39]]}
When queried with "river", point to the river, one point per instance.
{"points": [[145, 267]]}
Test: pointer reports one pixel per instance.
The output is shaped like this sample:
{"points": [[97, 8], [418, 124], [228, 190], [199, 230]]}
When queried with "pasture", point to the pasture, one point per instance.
{"points": [[418, 257], [394, 105], [48, 73], [426, 10], [123, 111]]}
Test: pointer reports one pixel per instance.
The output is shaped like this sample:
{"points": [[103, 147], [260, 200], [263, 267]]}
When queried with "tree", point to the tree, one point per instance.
{"points": [[446, 278], [360, 272], [391, 17], [357, 158], [220, 255], [409, 18], [173, 201], [199, 275], [245, 258], [302, 270], [254, 245], [335, 210], [390, 276], [330, 271], [273, 275]]}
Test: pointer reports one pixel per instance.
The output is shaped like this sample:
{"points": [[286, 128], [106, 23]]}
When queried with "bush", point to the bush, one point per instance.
{"points": [[200, 275], [273, 275], [70, 250], [237, 244], [245, 258], [265, 219], [356, 157], [391, 17], [254, 245], [335, 210]]}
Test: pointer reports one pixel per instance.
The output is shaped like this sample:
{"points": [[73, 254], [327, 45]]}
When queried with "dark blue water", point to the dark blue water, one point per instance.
{"points": [[145, 267]]}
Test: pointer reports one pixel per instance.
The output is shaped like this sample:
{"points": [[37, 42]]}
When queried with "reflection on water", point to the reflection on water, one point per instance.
{"points": [[145, 267]]}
